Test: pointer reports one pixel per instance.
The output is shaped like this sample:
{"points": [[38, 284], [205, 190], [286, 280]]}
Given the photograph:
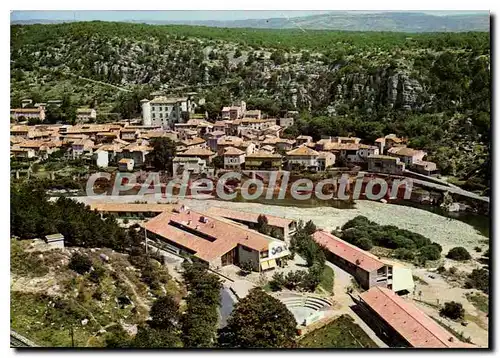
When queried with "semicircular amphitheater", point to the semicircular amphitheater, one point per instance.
{"points": [[306, 309]]}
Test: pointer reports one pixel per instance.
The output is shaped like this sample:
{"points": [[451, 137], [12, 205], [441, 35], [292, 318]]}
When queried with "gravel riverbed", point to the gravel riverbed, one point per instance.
{"points": [[447, 232]]}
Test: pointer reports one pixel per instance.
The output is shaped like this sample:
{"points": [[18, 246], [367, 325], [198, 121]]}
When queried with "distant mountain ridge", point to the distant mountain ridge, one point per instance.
{"points": [[341, 21]]}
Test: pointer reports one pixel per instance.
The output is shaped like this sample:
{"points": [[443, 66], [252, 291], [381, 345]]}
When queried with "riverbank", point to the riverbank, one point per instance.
{"points": [[447, 231]]}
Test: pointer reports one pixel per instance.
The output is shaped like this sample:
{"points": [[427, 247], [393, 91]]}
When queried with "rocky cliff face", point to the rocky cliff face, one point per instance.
{"points": [[310, 84]]}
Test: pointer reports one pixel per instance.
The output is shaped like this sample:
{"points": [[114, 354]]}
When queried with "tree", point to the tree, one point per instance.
{"points": [[310, 227], [453, 310], [259, 321], [148, 337], [164, 313], [459, 254], [80, 263], [218, 162], [163, 153], [262, 225], [246, 267], [278, 281], [199, 323], [429, 252], [480, 279]]}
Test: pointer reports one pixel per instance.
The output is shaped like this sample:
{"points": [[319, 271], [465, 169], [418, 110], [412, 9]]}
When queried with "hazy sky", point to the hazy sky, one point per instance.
{"points": [[178, 15]]}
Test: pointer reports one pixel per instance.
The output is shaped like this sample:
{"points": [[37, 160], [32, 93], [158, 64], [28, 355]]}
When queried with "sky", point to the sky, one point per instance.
{"points": [[178, 15]]}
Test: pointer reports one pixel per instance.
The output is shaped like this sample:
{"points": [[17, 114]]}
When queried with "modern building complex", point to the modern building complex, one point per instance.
{"points": [[214, 240], [285, 227]]}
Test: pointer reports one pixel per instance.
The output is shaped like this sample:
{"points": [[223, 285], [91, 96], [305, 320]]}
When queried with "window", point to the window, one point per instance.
{"points": [[154, 115], [161, 115], [264, 254]]}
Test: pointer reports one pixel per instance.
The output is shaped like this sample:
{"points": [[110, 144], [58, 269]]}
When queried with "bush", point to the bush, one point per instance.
{"points": [[477, 249], [277, 282], [364, 243], [403, 254], [246, 267], [80, 264], [480, 279], [97, 274], [441, 269], [453, 270], [429, 252], [453, 310], [458, 254]]}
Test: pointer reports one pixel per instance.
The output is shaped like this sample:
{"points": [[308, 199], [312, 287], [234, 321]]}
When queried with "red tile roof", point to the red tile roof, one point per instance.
{"points": [[416, 327], [348, 252], [249, 217], [225, 235]]}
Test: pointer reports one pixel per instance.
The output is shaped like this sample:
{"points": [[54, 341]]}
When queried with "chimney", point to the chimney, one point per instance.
{"points": [[189, 222]]}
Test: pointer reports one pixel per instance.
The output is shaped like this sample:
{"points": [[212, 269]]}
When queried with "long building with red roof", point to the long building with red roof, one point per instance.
{"points": [[214, 240], [365, 267], [403, 324]]}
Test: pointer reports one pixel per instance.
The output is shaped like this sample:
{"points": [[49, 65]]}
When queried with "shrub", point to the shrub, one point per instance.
{"points": [[125, 221], [294, 279], [453, 310], [458, 254], [246, 267], [453, 270], [364, 243], [80, 263], [404, 254], [277, 282], [441, 269], [477, 249], [429, 252], [480, 279], [97, 274]]}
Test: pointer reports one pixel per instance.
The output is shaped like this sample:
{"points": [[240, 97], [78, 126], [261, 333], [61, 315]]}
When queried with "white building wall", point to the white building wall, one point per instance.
{"points": [[102, 160], [146, 113]]}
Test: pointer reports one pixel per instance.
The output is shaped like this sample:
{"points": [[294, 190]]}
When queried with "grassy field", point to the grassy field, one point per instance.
{"points": [[479, 301], [341, 333], [327, 279]]}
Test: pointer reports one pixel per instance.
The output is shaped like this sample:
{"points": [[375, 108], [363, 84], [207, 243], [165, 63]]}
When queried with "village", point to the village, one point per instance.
{"points": [[241, 137], [239, 140], [381, 294]]}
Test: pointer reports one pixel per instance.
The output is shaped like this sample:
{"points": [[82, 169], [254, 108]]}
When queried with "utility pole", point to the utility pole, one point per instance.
{"points": [[146, 239], [72, 337]]}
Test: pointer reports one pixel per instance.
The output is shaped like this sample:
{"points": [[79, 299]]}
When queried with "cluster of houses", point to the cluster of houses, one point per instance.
{"points": [[103, 144], [30, 110], [241, 139]]}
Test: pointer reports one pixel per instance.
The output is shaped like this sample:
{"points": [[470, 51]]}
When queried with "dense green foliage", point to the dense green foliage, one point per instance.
{"points": [[199, 323], [80, 263], [162, 154], [407, 244], [458, 254], [312, 39], [33, 216], [433, 88], [259, 321], [453, 310], [480, 279]]}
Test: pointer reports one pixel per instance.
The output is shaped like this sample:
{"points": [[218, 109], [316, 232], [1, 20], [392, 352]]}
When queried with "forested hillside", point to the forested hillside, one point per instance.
{"points": [[432, 88]]}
